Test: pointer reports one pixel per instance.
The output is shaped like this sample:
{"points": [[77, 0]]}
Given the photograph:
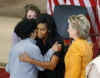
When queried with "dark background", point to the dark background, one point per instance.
{"points": [[61, 15]]}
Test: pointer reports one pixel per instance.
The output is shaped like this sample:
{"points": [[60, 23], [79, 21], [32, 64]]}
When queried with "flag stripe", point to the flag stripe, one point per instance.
{"points": [[53, 5], [95, 13], [68, 2], [98, 13], [76, 2], [48, 8], [50, 5], [91, 15], [99, 3], [72, 2], [61, 2], [82, 3], [64, 1], [56, 2]]}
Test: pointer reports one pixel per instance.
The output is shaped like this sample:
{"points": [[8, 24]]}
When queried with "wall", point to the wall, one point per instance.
{"points": [[15, 7]]}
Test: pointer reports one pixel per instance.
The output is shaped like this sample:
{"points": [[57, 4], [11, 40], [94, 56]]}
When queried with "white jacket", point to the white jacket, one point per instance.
{"points": [[93, 68]]}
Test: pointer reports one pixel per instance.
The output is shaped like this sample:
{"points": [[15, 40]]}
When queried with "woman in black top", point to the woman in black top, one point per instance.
{"points": [[47, 36]]}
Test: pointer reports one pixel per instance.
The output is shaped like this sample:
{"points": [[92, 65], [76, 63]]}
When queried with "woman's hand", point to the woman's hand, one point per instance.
{"points": [[24, 57], [56, 47]]}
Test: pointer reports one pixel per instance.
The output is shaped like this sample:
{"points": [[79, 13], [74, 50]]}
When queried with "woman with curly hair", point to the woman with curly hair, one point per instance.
{"points": [[31, 12]]}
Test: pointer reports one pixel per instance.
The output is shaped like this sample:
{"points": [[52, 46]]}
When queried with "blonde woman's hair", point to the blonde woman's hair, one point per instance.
{"points": [[81, 24]]}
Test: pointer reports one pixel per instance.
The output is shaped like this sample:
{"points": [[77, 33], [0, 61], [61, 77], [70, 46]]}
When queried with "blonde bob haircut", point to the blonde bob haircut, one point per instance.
{"points": [[81, 24]]}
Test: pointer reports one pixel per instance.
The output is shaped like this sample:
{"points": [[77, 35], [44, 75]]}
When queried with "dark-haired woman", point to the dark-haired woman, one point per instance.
{"points": [[18, 69], [47, 36]]}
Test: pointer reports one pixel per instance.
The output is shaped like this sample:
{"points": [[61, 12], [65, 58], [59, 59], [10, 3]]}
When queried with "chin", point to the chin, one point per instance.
{"points": [[39, 37]]}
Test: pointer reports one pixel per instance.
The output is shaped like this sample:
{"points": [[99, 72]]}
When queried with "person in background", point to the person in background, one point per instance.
{"points": [[93, 68], [47, 36], [80, 52], [31, 12], [18, 69]]}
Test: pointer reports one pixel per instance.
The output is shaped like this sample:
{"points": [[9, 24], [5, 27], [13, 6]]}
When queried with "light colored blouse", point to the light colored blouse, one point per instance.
{"points": [[15, 39], [18, 69], [93, 68], [78, 56]]}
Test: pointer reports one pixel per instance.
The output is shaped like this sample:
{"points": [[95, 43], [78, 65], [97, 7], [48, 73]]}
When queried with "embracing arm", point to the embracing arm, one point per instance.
{"points": [[48, 61], [46, 64]]}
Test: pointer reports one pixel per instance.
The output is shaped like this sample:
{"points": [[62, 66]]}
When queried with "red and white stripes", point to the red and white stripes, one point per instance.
{"points": [[98, 9]]}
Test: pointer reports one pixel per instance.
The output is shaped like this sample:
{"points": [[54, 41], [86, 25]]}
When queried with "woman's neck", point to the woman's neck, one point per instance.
{"points": [[44, 40]]}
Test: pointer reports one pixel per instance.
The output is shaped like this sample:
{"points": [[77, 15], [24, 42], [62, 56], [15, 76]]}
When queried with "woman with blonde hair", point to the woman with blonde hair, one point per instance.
{"points": [[80, 51]]}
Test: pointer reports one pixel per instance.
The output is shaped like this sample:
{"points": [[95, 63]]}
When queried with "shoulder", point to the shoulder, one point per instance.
{"points": [[96, 61], [80, 43], [31, 45], [77, 47], [95, 64]]}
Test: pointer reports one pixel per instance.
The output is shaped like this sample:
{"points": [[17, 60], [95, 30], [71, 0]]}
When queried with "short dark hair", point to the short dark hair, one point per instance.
{"points": [[50, 23], [25, 28], [33, 8]]}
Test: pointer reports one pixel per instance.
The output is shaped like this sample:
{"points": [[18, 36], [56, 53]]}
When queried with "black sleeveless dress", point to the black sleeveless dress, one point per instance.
{"points": [[58, 72]]}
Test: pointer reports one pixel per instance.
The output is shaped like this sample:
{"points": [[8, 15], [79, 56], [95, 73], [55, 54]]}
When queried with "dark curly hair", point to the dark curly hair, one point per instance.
{"points": [[25, 28], [33, 8], [50, 23]]}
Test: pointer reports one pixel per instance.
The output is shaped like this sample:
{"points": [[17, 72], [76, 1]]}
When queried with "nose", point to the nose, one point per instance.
{"points": [[38, 30], [29, 17]]}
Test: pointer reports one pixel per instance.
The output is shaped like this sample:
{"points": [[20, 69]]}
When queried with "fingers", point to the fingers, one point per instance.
{"points": [[23, 57], [56, 47], [59, 47]]}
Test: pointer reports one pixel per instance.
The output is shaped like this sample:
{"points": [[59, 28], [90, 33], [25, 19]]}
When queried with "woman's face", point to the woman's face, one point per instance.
{"points": [[31, 14], [42, 31], [72, 32]]}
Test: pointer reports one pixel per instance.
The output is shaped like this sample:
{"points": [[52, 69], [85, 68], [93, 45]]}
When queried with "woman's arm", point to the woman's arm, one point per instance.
{"points": [[48, 61], [46, 65]]}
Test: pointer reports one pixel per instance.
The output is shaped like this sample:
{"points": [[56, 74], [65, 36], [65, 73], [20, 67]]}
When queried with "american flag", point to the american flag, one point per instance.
{"points": [[93, 8], [98, 9]]}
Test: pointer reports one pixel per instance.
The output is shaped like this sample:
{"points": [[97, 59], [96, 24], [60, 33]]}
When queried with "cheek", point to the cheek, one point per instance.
{"points": [[69, 30], [30, 16], [34, 16], [41, 34], [44, 33]]}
